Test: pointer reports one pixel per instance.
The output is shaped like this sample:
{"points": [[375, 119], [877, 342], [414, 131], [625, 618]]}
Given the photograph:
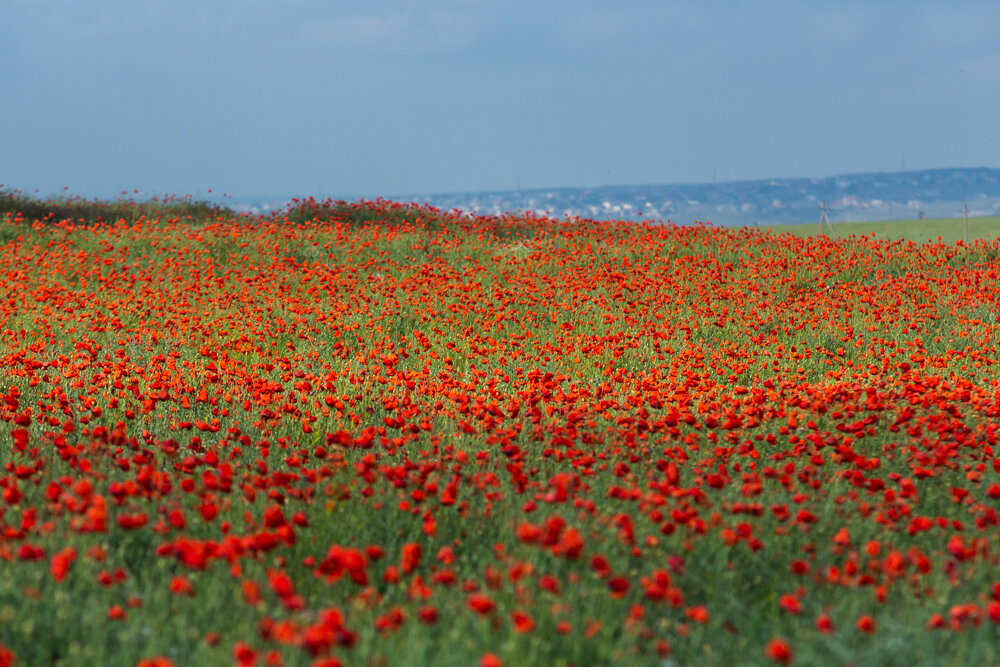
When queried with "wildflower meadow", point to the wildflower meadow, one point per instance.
{"points": [[383, 434]]}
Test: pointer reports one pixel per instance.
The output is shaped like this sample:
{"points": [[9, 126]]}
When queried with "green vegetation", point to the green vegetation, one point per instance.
{"points": [[90, 211], [947, 230]]}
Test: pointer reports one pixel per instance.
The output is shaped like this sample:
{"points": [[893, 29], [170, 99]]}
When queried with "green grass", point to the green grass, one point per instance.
{"points": [[948, 230]]}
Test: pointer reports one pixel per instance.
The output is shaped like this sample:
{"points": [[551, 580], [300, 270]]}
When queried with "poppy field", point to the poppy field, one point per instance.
{"points": [[380, 434]]}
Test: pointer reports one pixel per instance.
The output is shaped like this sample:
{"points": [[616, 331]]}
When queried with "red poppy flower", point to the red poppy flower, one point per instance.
{"points": [[60, 564], [181, 586], [619, 586], [481, 604], [866, 623], [522, 621], [244, 655], [790, 604], [411, 555], [490, 660], [779, 651]]}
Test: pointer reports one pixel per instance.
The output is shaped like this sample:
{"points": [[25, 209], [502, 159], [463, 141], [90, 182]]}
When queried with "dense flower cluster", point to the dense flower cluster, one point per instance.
{"points": [[381, 432]]}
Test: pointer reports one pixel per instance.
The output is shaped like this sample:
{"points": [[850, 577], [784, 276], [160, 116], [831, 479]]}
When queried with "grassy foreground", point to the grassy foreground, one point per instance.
{"points": [[381, 434], [943, 230]]}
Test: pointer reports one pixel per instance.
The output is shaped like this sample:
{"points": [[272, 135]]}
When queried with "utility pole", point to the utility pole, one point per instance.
{"points": [[824, 220], [965, 235]]}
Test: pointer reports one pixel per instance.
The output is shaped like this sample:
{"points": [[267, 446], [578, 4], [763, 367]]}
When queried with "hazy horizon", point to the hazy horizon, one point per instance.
{"points": [[407, 98]]}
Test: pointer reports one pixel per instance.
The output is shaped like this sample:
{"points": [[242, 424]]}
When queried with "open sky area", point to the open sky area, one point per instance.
{"points": [[362, 99]]}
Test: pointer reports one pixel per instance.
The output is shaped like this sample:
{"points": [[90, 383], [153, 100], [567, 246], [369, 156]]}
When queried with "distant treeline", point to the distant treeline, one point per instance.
{"points": [[16, 206], [92, 211]]}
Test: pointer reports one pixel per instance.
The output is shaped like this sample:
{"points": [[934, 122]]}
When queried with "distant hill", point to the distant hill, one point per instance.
{"points": [[934, 193]]}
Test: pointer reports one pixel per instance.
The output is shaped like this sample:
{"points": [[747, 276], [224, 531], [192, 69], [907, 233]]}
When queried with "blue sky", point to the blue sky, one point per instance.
{"points": [[369, 98]]}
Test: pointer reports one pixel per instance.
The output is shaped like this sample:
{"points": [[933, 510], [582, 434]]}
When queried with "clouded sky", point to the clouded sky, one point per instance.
{"points": [[365, 98]]}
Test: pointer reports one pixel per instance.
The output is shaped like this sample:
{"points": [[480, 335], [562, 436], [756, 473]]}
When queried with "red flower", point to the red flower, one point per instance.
{"points": [[281, 583], [391, 620], [619, 586], [251, 592], [412, 553], [490, 660], [428, 615], [698, 614], [158, 661], [790, 604], [824, 624], [274, 517], [600, 565], [779, 651], [209, 510], [132, 521], [570, 544], [866, 624], [522, 621], [481, 604], [529, 532], [549, 583], [181, 586], [244, 655], [61, 562]]}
